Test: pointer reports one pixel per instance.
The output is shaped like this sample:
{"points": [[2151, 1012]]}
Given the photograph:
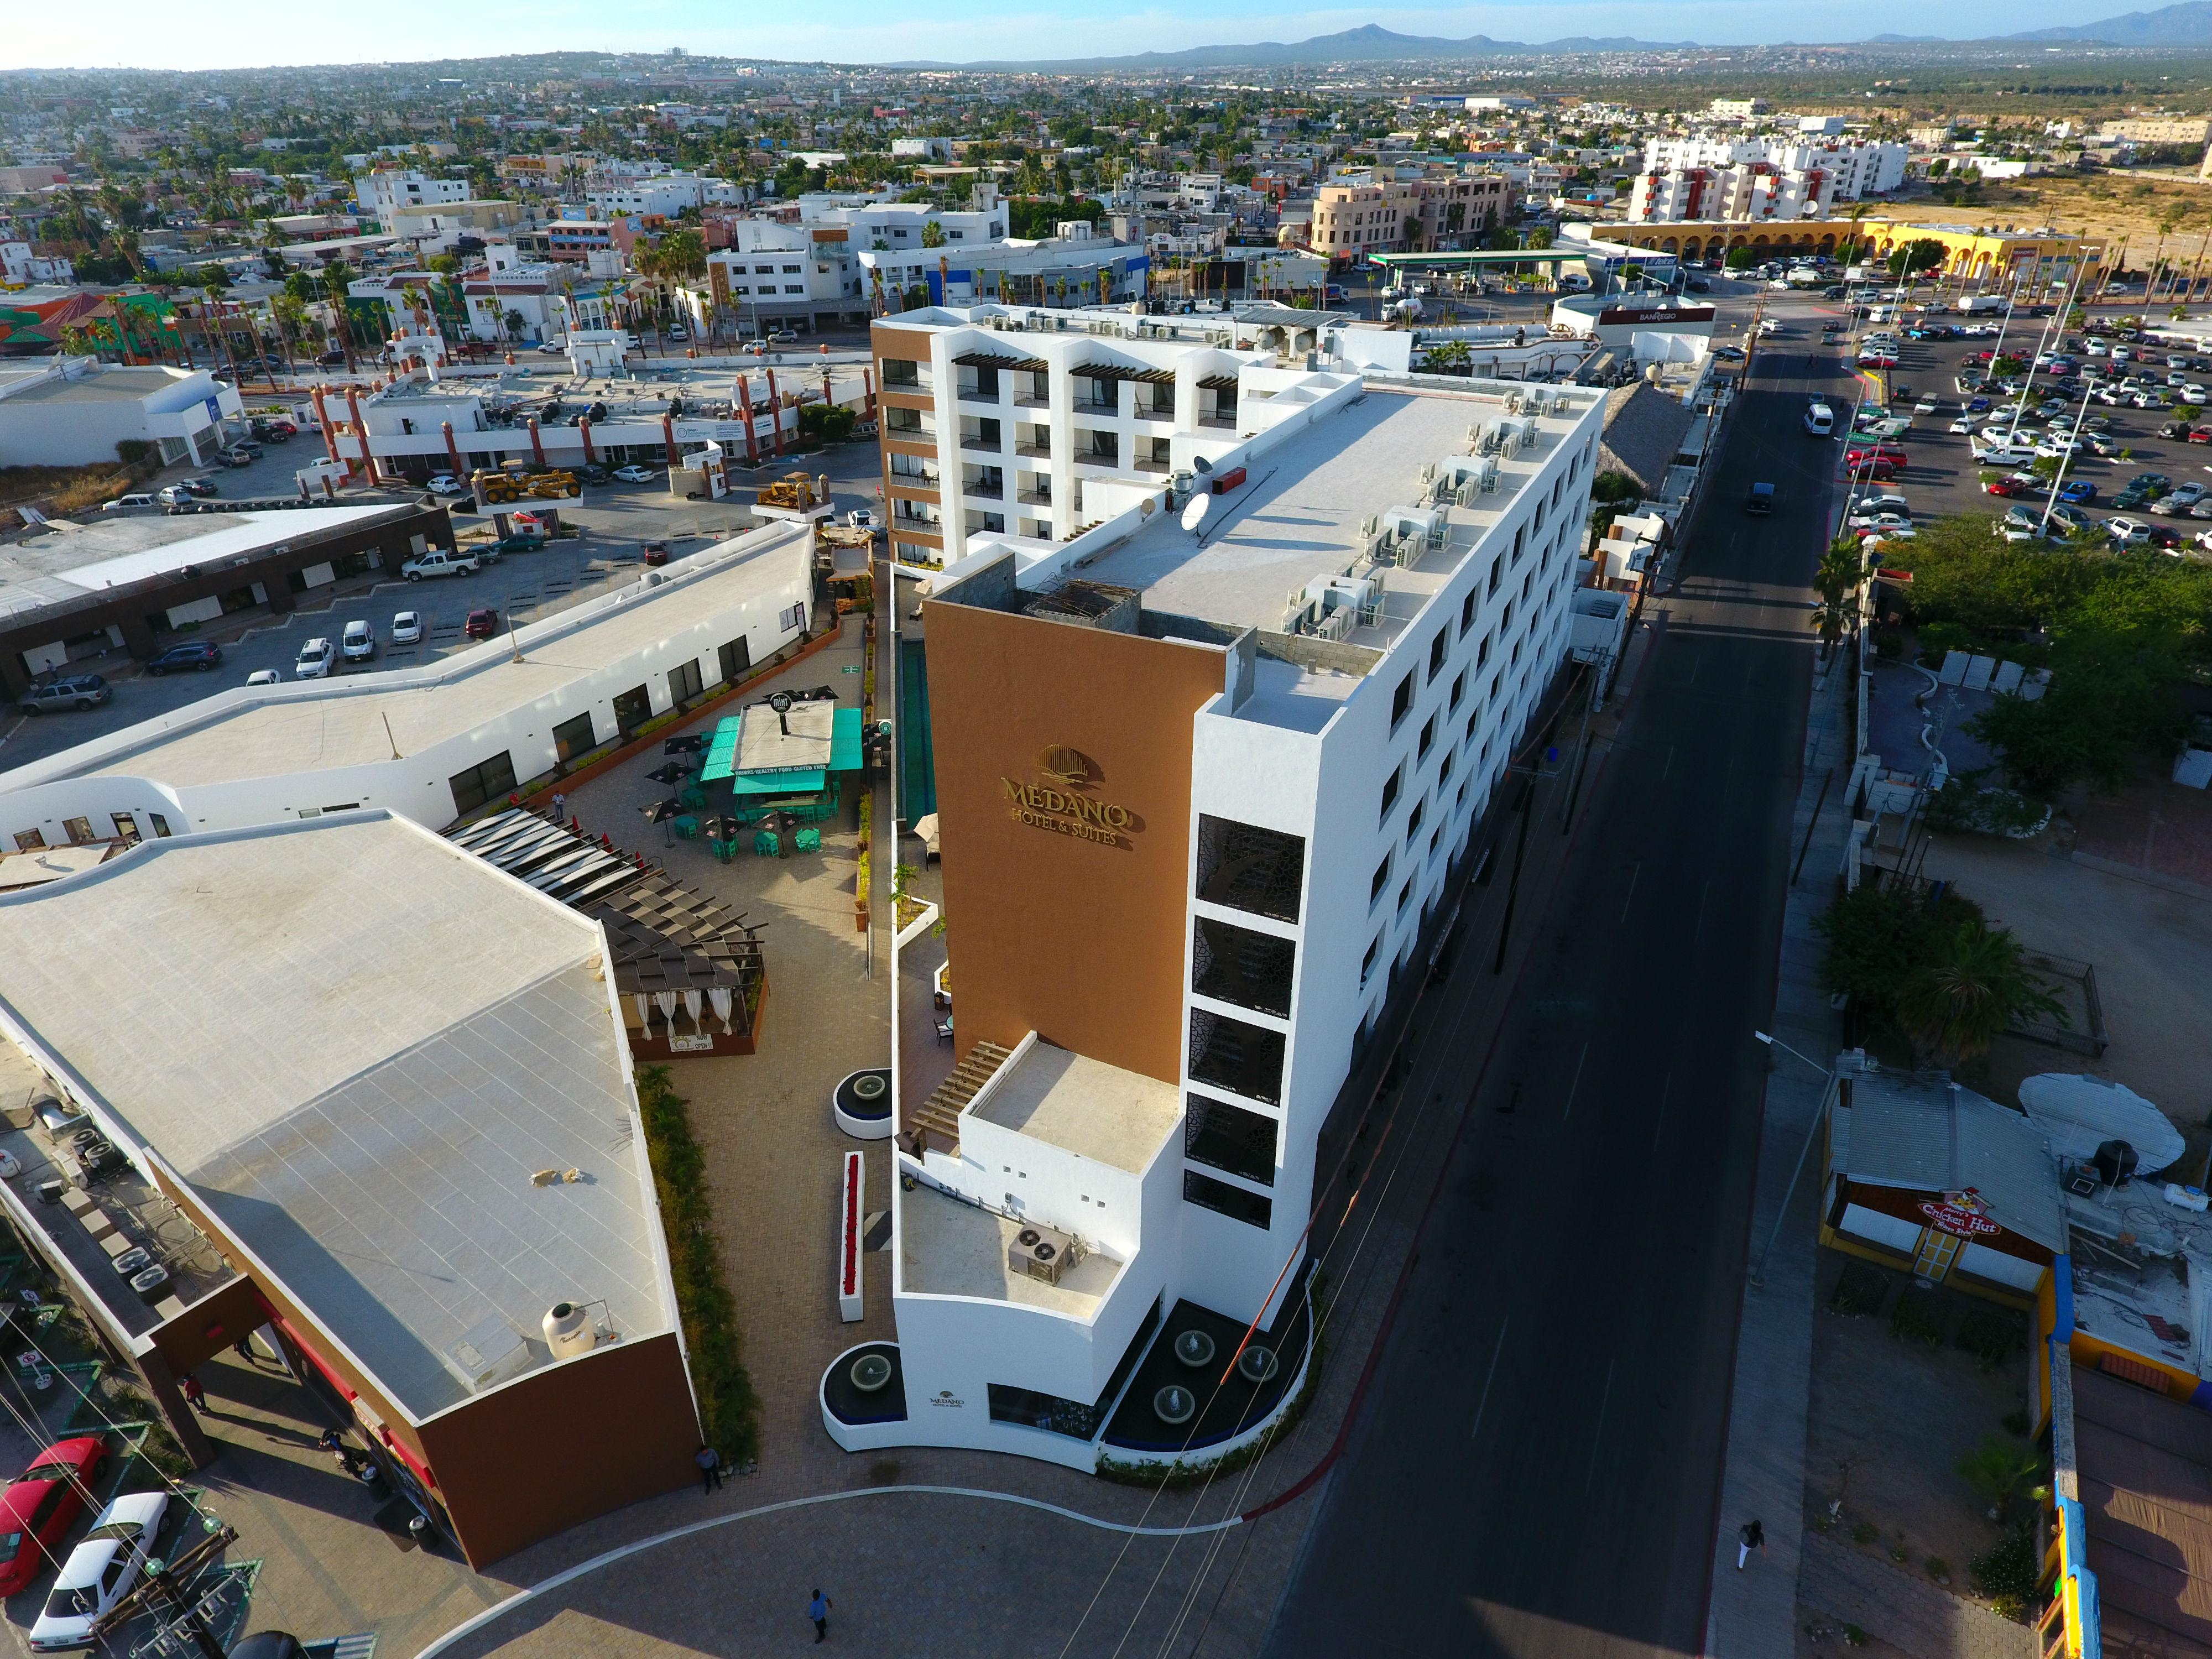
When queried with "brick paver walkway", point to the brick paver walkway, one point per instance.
{"points": [[1912, 1615]]}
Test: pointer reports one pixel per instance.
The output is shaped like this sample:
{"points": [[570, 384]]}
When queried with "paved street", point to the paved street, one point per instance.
{"points": [[1536, 1472]]}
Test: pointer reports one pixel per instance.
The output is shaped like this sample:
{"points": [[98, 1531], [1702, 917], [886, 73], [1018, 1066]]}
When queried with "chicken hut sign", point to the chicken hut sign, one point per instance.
{"points": [[1963, 1214]]}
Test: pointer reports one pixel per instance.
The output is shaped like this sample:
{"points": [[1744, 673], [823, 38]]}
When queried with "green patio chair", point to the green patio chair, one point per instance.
{"points": [[687, 827], [724, 850], [807, 840], [765, 844], [692, 795]]}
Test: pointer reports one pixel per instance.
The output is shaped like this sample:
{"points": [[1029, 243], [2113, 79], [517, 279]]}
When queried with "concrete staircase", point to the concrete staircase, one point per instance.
{"points": [[939, 1116]]}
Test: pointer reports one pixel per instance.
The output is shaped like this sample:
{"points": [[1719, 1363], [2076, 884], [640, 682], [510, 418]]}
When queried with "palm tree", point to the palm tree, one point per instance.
{"points": [[1976, 984], [336, 279], [291, 314]]}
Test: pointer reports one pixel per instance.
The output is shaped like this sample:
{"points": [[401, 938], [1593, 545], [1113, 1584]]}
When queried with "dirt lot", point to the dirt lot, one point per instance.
{"points": [[2104, 205]]}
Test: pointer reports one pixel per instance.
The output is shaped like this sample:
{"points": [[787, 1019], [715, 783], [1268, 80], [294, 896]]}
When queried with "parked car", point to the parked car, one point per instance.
{"points": [[445, 483], [439, 562], [235, 456], [653, 552], [358, 642], [101, 1571], [134, 498], [201, 486], [635, 474], [591, 473], [331, 359], [2078, 490], [515, 544], [482, 624], [2128, 532], [264, 677], [1964, 427], [317, 658], [204, 655], [407, 628], [677, 334], [2013, 483], [42, 1504], [173, 496], [69, 691]]}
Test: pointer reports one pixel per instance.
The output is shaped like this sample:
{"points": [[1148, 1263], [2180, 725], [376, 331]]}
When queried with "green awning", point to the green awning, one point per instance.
{"points": [[806, 781], [722, 758], [722, 753], [845, 741]]}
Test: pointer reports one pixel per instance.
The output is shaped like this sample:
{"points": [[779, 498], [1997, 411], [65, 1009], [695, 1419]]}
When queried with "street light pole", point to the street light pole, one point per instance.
{"points": [[1759, 1268]]}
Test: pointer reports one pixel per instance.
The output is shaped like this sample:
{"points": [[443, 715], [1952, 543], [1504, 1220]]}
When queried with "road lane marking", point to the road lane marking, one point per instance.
{"points": [[1635, 871], [1491, 1376], [1576, 1084], [1597, 1435], [1669, 766]]}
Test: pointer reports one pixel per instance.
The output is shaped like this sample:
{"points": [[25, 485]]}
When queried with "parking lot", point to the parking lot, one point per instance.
{"points": [[613, 523]]}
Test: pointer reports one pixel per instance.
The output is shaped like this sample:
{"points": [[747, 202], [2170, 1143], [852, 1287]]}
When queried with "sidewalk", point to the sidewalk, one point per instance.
{"points": [[1752, 1612]]}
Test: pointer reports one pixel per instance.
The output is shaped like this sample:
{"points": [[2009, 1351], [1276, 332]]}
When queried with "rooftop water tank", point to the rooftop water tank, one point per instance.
{"points": [[568, 1330]]}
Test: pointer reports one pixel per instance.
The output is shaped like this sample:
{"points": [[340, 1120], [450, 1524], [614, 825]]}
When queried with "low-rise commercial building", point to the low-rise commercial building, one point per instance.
{"points": [[1074, 267], [1409, 215], [436, 743], [124, 583], [376, 1105], [1252, 720], [72, 411]]}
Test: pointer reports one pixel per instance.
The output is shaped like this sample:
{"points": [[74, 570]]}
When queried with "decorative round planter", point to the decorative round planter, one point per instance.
{"points": [[1193, 1348], [871, 1373], [1257, 1365], [1175, 1405], [862, 1104]]}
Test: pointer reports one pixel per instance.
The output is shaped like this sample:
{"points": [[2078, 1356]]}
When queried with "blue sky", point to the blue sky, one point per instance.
{"points": [[251, 33]]}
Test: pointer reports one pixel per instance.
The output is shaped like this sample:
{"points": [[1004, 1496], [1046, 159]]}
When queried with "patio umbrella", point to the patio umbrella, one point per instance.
{"points": [[690, 744], [720, 828], [670, 775], [782, 824], [660, 811]]}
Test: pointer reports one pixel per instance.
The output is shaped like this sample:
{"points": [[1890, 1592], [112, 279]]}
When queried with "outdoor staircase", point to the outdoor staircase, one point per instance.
{"points": [[939, 1116]]}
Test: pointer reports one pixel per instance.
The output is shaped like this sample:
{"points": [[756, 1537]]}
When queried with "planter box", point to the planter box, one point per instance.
{"points": [[849, 1220]]}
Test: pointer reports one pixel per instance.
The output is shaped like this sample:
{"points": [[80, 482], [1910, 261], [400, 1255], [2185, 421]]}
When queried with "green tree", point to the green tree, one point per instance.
{"points": [[1973, 985], [1909, 259], [1738, 258], [2005, 1472], [1837, 582]]}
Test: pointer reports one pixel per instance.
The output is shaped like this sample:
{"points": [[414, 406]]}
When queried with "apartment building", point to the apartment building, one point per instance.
{"points": [[774, 272], [1025, 423], [1854, 170], [1202, 774], [381, 194], [896, 227], [1754, 191], [1409, 215], [439, 227], [658, 195], [1075, 267]]}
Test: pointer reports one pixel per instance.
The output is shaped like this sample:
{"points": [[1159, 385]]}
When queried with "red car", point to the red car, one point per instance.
{"points": [[481, 624], [2005, 487], [655, 552], [38, 1510], [1862, 452], [2200, 435]]}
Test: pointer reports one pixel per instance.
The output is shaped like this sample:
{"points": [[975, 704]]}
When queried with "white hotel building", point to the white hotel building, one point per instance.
{"points": [[1200, 780]]}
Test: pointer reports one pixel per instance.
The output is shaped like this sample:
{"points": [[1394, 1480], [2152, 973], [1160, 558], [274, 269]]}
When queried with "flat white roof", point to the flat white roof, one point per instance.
{"points": [[357, 1043], [1083, 1106], [949, 1248], [276, 731]]}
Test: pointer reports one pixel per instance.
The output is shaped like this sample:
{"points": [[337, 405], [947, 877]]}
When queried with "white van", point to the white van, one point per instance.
{"points": [[2003, 454], [1819, 420]]}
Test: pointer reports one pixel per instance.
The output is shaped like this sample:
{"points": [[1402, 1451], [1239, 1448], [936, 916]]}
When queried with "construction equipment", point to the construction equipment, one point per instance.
{"points": [[798, 491], [548, 484], [494, 485]]}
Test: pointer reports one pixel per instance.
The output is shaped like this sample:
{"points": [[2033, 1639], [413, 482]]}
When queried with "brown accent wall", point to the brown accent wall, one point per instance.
{"points": [[1079, 942], [1904, 1202], [506, 1466]]}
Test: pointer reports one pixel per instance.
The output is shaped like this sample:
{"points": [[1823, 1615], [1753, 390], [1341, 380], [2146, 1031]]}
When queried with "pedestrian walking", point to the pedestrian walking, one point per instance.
{"points": [[819, 1611], [1752, 1537], [244, 1349], [194, 1396], [559, 801], [710, 1467]]}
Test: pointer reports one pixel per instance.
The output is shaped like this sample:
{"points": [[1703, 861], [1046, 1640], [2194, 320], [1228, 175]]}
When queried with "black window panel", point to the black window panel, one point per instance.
{"points": [[633, 709], [1229, 1054], [1458, 690], [1246, 867], [901, 372], [1436, 654], [1401, 701], [1226, 1137], [1382, 879], [1048, 1412], [684, 681], [1391, 785], [1235, 1202], [1467, 611], [1240, 965], [1428, 737], [482, 783], [575, 736], [737, 657]]}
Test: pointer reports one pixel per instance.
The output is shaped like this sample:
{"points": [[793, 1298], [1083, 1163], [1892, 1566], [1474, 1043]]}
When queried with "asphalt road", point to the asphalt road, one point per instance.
{"points": [[1537, 1468]]}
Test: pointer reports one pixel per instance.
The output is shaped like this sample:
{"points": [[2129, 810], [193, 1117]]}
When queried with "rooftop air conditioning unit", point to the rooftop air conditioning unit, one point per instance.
{"points": [[1428, 473], [1334, 626], [1466, 492], [1513, 402], [1529, 434], [1489, 474], [1369, 527], [1509, 446], [1041, 1253]]}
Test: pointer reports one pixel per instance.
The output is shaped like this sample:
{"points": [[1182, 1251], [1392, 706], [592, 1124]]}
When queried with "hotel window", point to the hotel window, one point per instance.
{"points": [[1428, 737], [1413, 821], [1405, 896], [1382, 880], [485, 781], [1237, 964], [1444, 769], [161, 825], [1496, 570], [899, 371], [1436, 653], [1232, 1201], [1519, 536], [1467, 611], [901, 420], [1390, 787], [684, 681], [1458, 690], [79, 830], [736, 659], [1048, 1412], [1401, 701], [1245, 867], [1367, 962], [1482, 655], [1226, 1137], [30, 840], [1234, 1054]]}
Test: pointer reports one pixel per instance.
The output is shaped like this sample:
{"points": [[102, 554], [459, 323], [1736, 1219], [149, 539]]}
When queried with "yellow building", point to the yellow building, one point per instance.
{"points": [[1971, 253]]}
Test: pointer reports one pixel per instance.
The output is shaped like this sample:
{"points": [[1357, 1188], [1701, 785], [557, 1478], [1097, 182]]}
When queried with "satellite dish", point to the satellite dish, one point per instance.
{"points": [[1195, 514], [1201, 463]]}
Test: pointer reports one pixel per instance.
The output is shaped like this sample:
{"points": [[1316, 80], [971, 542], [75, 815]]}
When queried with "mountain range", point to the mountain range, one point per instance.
{"points": [[2187, 25]]}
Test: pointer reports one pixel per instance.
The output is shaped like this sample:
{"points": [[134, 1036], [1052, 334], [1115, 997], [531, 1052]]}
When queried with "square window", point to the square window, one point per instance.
{"points": [[1237, 964], [1237, 1055], [1401, 701], [1390, 787], [1231, 1138], [1436, 653], [1428, 737]]}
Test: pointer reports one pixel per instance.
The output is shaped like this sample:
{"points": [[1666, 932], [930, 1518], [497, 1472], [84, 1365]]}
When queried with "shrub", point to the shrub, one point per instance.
{"points": [[1860, 1290], [136, 451], [2008, 1572], [1994, 1336], [1865, 1533], [729, 1409], [826, 422], [1938, 1569], [1965, 806]]}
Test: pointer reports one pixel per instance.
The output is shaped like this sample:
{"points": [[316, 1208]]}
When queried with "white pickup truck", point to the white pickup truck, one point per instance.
{"points": [[439, 562]]}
